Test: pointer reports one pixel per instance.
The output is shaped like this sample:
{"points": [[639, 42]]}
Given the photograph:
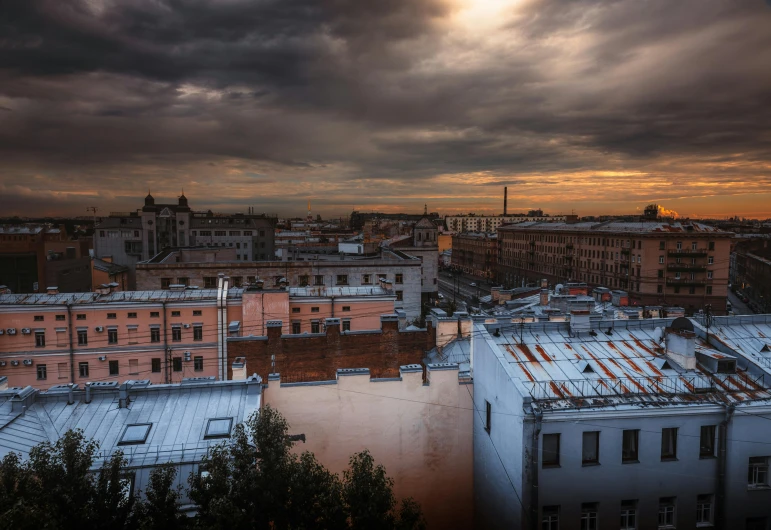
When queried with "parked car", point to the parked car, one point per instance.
{"points": [[472, 284]]}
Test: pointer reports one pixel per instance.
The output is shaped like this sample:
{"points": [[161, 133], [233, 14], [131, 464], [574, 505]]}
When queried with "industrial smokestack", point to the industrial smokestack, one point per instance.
{"points": [[505, 198]]}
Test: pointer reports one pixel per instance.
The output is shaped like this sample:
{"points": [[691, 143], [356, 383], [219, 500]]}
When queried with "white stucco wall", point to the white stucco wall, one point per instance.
{"points": [[421, 433]]}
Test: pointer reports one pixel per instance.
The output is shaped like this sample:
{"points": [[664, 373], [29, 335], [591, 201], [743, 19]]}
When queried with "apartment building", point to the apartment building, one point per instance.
{"points": [[490, 223], [161, 335], [584, 424], [252, 236], [423, 244], [475, 253], [33, 257], [403, 272], [657, 263]]}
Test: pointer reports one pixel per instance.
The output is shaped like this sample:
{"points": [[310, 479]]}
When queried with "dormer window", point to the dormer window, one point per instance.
{"points": [[135, 433], [219, 428], [726, 367]]}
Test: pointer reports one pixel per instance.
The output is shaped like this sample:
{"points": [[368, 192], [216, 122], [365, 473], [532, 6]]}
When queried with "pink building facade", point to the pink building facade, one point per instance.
{"points": [[163, 336]]}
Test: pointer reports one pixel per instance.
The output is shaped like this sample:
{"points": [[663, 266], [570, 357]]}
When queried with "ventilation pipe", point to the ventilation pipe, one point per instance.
{"points": [[70, 396], [88, 393], [123, 396]]}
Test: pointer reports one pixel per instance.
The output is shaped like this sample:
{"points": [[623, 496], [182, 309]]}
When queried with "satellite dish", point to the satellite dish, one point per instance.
{"points": [[558, 288]]}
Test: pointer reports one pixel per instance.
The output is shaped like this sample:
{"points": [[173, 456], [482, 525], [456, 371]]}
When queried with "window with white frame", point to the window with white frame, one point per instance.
{"points": [[628, 515], [666, 513], [757, 474], [550, 518], [704, 510], [589, 516]]}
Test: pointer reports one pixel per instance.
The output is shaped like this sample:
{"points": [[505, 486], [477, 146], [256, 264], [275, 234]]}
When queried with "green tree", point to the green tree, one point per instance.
{"points": [[160, 508]]}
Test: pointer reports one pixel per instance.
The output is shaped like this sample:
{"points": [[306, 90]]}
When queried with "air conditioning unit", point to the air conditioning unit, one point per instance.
{"points": [[102, 358], [2, 331], [11, 331], [187, 356], [14, 363], [99, 329], [3, 363], [27, 362], [26, 331], [186, 326]]}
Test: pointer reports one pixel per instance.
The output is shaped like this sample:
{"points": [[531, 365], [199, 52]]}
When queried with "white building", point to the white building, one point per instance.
{"points": [[580, 425]]}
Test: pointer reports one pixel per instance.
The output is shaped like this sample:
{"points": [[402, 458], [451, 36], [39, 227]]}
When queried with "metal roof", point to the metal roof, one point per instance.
{"points": [[179, 416], [627, 366], [338, 291], [651, 227], [116, 297]]}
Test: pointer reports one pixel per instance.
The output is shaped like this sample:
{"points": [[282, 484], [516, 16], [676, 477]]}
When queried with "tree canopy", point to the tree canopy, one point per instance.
{"points": [[252, 481]]}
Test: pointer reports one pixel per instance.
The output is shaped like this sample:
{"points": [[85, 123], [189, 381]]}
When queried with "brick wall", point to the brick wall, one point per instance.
{"points": [[317, 357]]}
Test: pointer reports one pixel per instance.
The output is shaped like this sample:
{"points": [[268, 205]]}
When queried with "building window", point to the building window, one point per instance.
{"points": [[366, 278], [629, 445], [342, 279], [707, 441], [132, 315], [177, 364], [704, 510], [155, 314], [60, 317], [589, 516], [666, 512], [318, 280], [399, 278], [679, 245], [219, 428], [155, 334], [198, 364], [176, 313], [112, 336], [314, 309], [669, 444], [80, 316], [165, 282], [693, 245], [40, 339], [198, 333], [757, 476], [659, 289], [296, 328], [591, 448], [550, 518], [709, 275], [83, 369], [135, 433], [42, 372], [399, 295], [711, 260], [176, 334], [661, 259], [709, 289], [82, 337], [114, 368], [661, 273], [628, 515], [488, 415], [314, 326], [711, 245], [551, 450], [112, 316], [346, 324], [295, 310], [155, 365], [346, 308], [662, 245], [209, 282]]}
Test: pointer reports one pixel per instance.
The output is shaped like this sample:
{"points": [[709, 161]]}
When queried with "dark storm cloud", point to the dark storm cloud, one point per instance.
{"points": [[341, 94]]}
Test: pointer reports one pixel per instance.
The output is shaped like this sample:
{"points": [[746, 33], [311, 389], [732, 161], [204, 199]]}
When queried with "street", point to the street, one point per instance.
{"points": [[739, 307], [461, 284]]}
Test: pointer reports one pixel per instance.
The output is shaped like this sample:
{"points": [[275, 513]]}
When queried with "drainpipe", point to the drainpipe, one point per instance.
{"points": [[722, 455], [219, 327], [534, 469], [72, 349], [224, 361], [165, 346]]}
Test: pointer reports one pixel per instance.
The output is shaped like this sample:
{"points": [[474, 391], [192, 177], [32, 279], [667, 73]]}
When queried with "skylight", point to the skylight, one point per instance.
{"points": [[218, 428], [135, 433]]}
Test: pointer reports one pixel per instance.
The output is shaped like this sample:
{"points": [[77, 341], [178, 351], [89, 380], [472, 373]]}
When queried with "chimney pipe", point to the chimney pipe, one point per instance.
{"points": [[88, 393], [123, 396], [70, 397], [505, 199]]}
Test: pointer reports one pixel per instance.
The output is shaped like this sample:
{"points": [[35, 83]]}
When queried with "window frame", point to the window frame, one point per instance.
{"points": [[134, 440], [705, 503], [155, 361], [81, 372], [668, 434], [755, 470], [176, 362], [553, 462], [635, 457], [198, 363], [208, 436], [41, 369], [596, 460], [110, 365], [628, 509], [702, 437]]}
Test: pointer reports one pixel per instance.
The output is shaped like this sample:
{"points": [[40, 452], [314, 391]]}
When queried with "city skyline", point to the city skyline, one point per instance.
{"points": [[594, 107]]}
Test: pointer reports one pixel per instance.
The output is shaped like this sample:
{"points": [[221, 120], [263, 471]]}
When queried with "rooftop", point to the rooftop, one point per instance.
{"points": [[120, 296], [338, 291], [639, 227]]}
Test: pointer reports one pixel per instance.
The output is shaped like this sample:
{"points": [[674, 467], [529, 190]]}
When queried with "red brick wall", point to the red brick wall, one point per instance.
{"points": [[318, 358]]}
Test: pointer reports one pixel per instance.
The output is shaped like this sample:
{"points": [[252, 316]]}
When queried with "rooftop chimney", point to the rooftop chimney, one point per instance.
{"points": [[123, 396], [88, 392], [681, 347], [544, 297], [52, 290], [505, 198]]}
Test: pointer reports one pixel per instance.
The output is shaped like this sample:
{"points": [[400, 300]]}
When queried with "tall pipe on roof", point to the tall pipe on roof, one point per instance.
{"points": [[72, 349], [505, 199], [220, 280]]}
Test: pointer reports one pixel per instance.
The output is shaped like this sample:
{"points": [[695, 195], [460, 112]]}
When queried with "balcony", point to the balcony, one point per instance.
{"points": [[687, 282], [683, 267], [688, 252], [625, 251]]}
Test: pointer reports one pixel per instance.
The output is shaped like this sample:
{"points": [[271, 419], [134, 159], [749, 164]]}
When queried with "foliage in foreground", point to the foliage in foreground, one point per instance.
{"points": [[252, 482]]}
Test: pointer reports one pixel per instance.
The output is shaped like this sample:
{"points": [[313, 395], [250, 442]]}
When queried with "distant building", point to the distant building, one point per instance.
{"points": [[34, 257], [657, 263], [751, 271], [106, 273], [358, 219], [401, 270], [476, 253], [490, 223], [579, 424], [423, 245]]}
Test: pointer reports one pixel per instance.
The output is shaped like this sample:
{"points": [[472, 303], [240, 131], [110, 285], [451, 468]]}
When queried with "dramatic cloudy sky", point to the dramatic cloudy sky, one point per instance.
{"points": [[588, 105]]}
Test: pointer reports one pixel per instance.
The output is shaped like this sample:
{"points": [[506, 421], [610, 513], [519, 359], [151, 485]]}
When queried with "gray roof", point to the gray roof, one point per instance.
{"points": [[652, 227], [178, 415], [120, 296], [339, 291], [458, 352]]}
